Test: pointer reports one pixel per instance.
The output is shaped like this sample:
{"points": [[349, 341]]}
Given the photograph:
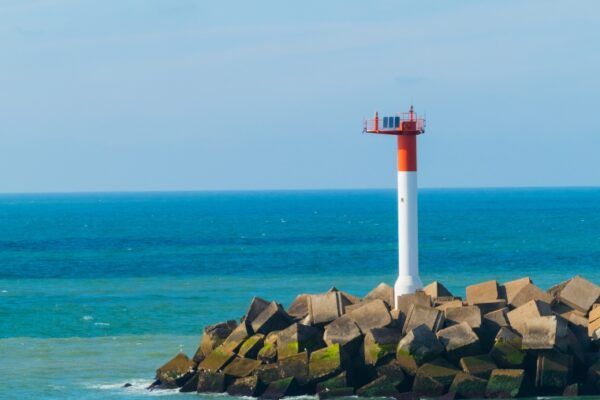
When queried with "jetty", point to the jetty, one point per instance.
{"points": [[501, 341]]}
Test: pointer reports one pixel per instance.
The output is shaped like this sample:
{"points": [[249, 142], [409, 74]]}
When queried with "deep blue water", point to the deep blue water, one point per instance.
{"points": [[100, 289]]}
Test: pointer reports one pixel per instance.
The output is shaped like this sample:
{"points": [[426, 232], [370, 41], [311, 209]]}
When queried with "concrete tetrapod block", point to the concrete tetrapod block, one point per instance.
{"points": [[406, 301], [555, 290], [468, 386], [174, 369], [344, 332], [251, 346], [213, 336], [272, 318], [482, 292], [506, 350], [449, 304], [249, 386], [336, 393], [336, 382], [381, 387], [237, 337], [420, 345], [241, 367], [257, 306], [480, 366], [489, 306], [297, 338], [325, 363], [429, 375], [374, 314], [268, 373], [281, 388], [490, 325], [268, 353], [435, 289], [553, 372], [380, 345], [324, 308], [530, 292], [421, 315], [459, 341], [296, 366], [505, 383], [527, 311], [580, 294], [299, 307], [469, 314], [217, 360], [211, 382], [382, 292], [510, 289], [545, 333]]}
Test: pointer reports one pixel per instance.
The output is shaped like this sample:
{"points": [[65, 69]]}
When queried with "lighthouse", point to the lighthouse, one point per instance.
{"points": [[406, 127]]}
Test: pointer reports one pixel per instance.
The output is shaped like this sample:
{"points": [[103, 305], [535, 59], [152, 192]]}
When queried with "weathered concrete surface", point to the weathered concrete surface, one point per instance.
{"points": [[374, 314], [325, 363], [468, 386], [545, 333], [272, 318], [423, 315], [213, 336], [482, 292], [489, 306], [553, 372], [237, 337], [480, 366], [281, 388], [251, 346], [297, 338], [257, 306], [336, 382], [506, 350], [295, 366], [174, 369], [382, 292], [530, 292], [469, 314], [344, 332], [299, 307], [211, 382], [527, 311], [580, 294], [449, 304], [435, 289], [326, 307], [505, 383], [241, 367], [247, 387], [380, 387], [510, 289], [380, 345], [459, 341], [430, 374], [217, 360], [419, 298], [418, 346]]}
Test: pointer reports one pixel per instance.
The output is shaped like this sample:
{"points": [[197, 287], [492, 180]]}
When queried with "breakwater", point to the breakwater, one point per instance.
{"points": [[501, 341]]}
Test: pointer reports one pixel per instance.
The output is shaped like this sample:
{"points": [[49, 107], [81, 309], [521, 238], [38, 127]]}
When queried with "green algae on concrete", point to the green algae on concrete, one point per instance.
{"points": [[325, 362], [211, 382], [174, 369], [280, 388], [217, 359], [468, 386], [241, 367], [251, 346], [336, 382], [505, 383], [268, 353], [480, 366], [380, 387]]}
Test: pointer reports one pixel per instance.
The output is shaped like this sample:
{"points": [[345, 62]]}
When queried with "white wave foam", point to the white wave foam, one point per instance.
{"points": [[87, 318], [138, 386], [101, 324]]}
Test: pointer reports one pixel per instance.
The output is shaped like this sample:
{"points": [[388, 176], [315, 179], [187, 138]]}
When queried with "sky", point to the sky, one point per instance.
{"points": [[226, 95]]}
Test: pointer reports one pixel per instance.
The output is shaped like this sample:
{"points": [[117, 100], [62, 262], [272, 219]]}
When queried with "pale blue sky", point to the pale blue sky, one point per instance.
{"points": [[193, 95]]}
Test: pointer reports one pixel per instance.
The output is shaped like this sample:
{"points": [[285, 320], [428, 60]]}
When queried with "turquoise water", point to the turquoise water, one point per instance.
{"points": [[97, 290]]}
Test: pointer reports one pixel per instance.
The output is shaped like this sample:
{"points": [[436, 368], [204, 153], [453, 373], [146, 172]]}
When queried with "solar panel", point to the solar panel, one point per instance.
{"points": [[385, 122], [396, 122]]}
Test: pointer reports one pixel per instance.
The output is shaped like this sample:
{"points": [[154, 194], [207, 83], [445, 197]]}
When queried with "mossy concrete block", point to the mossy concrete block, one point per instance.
{"points": [[217, 360], [553, 372], [251, 346], [374, 314], [380, 345], [381, 387], [295, 366], [268, 373], [469, 314], [241, 367], [237, 337], [467, 386], [211, 382], [418, 298], [212, 337], [440, 370], [482, 292], [382, 292], [392, 370], [257, 306], [345, 332], [436, 290], [580, 294], [527, 311], [336, 393], [297, 338], [268, 353], [336, 382], [480, 366], [281, 388], [325, 363], [272, 318], [505, 383], [423, 315], [426, 386], [174, 369], [299, 307], [191, 385], [530, 292], [249, 386], [509, 290], [324, 308], [459, 341], [420, 344], [506, 350], [545, 333]]}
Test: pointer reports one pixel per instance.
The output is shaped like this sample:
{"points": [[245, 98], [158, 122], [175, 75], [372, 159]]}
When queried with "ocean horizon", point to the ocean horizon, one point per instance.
{"points": [[99, 289]]}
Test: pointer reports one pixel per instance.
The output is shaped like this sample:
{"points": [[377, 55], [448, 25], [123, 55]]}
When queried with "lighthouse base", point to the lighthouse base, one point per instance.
{"points": [[406, 284]]}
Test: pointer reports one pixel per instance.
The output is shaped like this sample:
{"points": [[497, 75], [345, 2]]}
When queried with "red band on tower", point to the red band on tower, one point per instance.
{"points": [[407, 153]]}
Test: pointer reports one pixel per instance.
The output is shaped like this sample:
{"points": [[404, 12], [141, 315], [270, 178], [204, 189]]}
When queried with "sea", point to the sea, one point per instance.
{"points": [[98, 290]]}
